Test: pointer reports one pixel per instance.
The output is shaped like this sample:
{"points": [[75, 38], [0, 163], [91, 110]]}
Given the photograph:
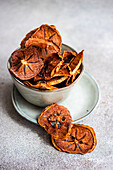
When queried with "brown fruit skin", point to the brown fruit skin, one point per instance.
{"points": [[56, 120], [71, 144]]}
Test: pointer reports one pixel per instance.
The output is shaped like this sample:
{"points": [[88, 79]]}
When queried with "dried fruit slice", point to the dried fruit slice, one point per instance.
{"points": [[25, 63], [51, 65], [28, 35], [56, 120], [68, 55], [45, 52], [47, 37], [76, 62], [63, 71], [41, 85], [49, 33], [71, 78], [75, 74], [82, 139], [42, 43], [56, 80]]}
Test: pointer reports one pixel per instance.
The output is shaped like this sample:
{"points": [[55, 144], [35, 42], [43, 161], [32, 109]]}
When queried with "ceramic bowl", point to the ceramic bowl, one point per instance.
{"points": [[43, 98]]}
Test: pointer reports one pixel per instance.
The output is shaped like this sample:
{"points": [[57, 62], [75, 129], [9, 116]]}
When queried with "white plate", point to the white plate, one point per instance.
{"points": [[82, 100]]}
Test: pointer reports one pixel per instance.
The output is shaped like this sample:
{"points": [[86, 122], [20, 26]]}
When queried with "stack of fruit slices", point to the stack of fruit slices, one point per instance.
{"points": [[39, 63], [66, 136]]}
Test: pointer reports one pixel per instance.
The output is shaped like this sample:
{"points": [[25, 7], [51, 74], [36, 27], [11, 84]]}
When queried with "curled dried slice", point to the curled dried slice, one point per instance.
{"points": [[68, 55], [81, 140], [51, 65], [41, 43], [50, 33], [41, 85], [56, 80], [76, 62], [71, 78], [63, 71], [25, 63], [38, 77], [75, 74], [56, 120]]}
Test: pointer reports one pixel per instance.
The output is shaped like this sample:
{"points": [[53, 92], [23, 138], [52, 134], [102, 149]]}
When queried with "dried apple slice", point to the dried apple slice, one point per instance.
{"points": [[56, 120], [25, 63], [80, 140]]}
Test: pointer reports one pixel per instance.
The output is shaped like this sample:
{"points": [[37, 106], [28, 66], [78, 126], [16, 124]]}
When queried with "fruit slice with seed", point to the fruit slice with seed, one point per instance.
{"points": [[56, 120]]}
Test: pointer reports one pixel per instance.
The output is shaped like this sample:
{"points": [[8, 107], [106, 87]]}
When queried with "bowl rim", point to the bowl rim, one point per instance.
{"points": [[48, 91]]}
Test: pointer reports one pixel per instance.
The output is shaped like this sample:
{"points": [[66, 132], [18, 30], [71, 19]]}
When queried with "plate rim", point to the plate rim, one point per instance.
{"points": [[97, 101], [27, 117], [18, 110]]}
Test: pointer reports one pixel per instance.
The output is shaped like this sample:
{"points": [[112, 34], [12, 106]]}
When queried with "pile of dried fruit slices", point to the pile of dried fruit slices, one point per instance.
{"points": [[66, 136], [39, 63]]}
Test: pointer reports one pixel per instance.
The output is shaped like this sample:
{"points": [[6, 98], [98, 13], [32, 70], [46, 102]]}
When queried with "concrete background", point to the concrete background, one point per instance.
{"points": [[84, 25]]}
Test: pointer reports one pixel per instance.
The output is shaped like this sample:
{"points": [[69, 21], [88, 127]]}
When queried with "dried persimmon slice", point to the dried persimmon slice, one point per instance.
{"points": [[71, 78], [56, 120], [28, 35], [63, 71], [42, 43], [45, 52], [40, 85], [46, 36], [56, 80], [68, 55], [75, 74], [81, 140], [39, 76], [51, 65], [25, 63], [76, 62], [49, 33]]}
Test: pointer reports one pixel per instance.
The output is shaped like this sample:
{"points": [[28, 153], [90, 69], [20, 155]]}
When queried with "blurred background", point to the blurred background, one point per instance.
{"points": [[83, 24]]}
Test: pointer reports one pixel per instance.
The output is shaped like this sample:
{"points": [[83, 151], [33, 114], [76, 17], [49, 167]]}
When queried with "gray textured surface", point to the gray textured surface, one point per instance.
{"points": [[84, 25]]}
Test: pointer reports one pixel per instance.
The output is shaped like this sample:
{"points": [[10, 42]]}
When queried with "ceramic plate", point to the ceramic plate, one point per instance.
{"points": [[81, 101]]}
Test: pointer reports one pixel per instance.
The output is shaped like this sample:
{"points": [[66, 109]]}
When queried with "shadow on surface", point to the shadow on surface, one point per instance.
{"points": [[9, 110]]}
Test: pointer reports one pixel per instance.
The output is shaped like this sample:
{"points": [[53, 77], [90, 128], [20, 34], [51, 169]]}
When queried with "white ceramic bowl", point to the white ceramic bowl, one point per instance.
{"points": [[43, 98]]}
